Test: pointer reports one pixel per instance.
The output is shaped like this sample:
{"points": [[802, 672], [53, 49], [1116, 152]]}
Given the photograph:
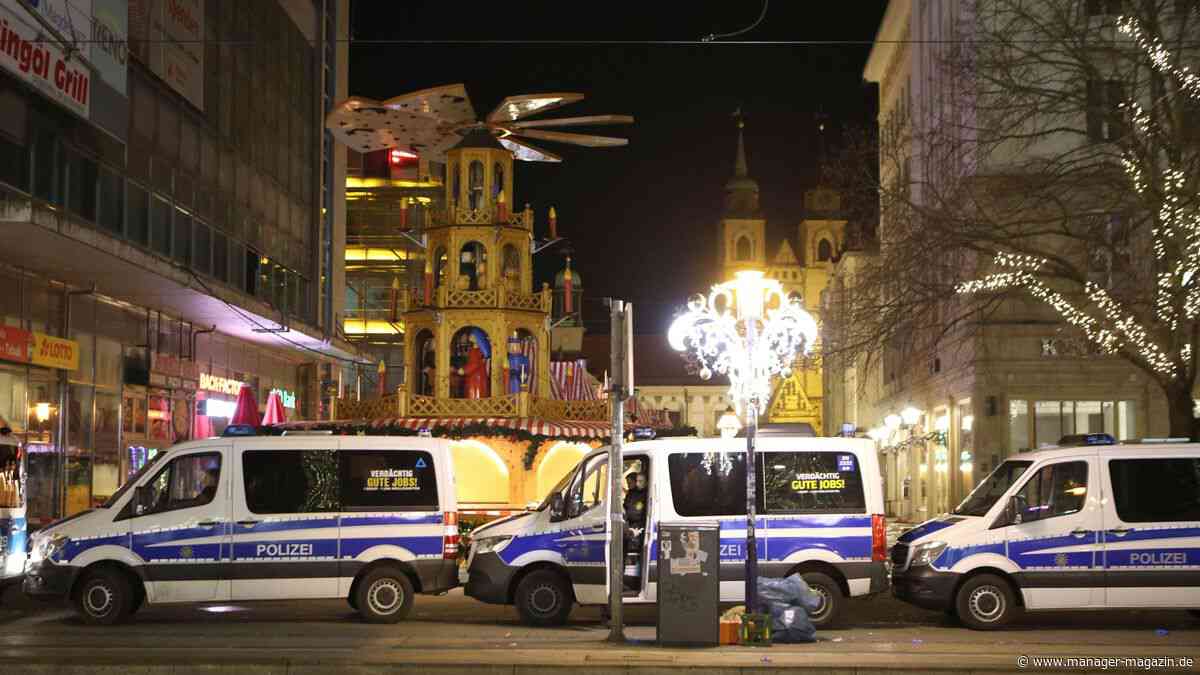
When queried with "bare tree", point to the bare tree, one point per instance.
{"points": [[1048, 172]]}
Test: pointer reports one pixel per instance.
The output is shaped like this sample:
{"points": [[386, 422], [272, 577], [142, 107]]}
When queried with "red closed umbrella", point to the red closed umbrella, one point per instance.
{"points": [[275, 413], [246, 409]]}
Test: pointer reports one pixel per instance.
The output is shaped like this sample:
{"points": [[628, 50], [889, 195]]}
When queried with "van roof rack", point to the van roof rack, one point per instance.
{"points": [[307, 432], [1172, 439], [1075, 440]]}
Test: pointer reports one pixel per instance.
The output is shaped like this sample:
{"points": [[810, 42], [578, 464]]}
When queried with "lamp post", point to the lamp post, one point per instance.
{"points": [[750, 331]]}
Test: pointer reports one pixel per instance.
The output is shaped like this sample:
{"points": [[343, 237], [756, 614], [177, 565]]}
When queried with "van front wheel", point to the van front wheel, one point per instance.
{"points": [[986, 602], [385, 595], [104, 597], [543, 598]]}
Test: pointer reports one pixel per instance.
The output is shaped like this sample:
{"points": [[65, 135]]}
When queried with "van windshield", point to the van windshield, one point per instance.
{"points": [[557, 488], [108, 504], [981, 499]]}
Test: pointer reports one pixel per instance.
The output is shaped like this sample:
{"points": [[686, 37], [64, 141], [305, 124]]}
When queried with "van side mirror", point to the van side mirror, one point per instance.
{"points": [[1016, 509], [557, 507], [141, 499]]}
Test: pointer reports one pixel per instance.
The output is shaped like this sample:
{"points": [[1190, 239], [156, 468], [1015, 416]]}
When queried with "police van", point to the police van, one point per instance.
{"points": [[819, 513], [369, 519], [1086, 527]]}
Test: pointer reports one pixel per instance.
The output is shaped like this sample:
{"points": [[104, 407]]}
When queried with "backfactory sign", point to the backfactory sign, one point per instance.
{"points": [[219, 385]]}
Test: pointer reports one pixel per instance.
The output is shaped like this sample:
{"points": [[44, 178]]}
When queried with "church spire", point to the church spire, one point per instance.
{"points": [[741, 192]]}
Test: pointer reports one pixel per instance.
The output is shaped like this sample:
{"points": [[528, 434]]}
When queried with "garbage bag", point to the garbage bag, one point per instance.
{"points": [[790, 624], [789, 591]]}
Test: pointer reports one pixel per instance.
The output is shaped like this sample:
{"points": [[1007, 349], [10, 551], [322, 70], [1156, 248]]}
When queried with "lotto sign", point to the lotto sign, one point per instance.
{"points": [[41, 62], [54, 352]]}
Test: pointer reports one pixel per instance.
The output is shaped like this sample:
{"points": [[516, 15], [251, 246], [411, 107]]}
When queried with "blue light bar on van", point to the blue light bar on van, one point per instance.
{"points": [[240, 430], [643, 434], [1086, 439]]}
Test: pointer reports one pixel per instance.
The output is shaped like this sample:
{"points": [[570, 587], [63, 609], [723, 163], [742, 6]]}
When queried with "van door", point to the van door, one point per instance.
{"points": [[284, 536], [1054, 536], [178, 527], [1150, 536], [583, 541]]}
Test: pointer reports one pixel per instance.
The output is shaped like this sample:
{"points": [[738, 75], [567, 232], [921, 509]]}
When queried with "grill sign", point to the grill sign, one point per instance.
{"points": [[40, 62]]}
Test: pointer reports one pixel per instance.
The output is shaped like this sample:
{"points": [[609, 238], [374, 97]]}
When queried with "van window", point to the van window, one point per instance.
{"points": [[290, 481], [992, 488], [1163, 489], [188, 481], [1054, 490], [589, 487], [388, 480], [708, 483], [805, 482]]}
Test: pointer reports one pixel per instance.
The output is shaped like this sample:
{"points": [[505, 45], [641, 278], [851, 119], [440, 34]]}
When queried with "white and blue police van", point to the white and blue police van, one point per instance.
{"points": [[819, 512], [1094, 526], [372, 519]]}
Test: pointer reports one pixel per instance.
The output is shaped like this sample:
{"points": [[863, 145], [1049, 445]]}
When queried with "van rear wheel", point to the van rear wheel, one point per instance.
{"points": [[104, 597], [986, 602], [832, 599], [384, 595], [543, 598]]}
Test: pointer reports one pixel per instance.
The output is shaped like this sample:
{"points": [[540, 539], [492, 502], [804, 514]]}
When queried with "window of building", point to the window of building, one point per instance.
{"points": [[1156, 490], [220, 256], [1105, 118], [744, 250], [1055, 490], [202, 255], [388, 480], [824, 251], [1104, 7], [290, 481], [160, 226], [803, 482], [183, 238], [111, 189], [1018, 425], [189, 481]]}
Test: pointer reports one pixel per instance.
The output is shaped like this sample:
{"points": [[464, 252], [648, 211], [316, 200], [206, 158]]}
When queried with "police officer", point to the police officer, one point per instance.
{"points": [[635, 501]]}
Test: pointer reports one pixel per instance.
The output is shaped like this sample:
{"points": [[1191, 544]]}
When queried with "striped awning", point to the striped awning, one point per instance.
{"points": [[533, 425]]}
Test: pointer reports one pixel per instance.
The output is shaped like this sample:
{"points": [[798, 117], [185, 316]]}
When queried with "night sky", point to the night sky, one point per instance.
{"points": [[641, 219]]}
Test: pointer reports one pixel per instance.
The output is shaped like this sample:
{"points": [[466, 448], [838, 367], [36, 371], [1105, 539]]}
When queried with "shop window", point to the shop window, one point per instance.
{"points": [[187, 482], [388, 481], [1173, 495], [290, 481], [158, 419], [12, 397], [788, 487], [12, 485]]}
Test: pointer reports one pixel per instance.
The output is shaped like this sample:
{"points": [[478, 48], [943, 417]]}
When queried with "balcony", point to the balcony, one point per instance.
{"points": [[523, 404], [501, 297]]}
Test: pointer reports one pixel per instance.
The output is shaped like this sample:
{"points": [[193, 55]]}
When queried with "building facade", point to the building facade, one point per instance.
{"points": [[167, 211], [801, 260], [946, 416]]}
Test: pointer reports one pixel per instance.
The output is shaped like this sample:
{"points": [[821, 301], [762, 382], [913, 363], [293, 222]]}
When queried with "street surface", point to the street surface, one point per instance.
{"points": [[453, 633]]}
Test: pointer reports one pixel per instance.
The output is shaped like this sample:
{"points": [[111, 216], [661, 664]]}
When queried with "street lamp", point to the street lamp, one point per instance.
{"points": [[749, 330]]}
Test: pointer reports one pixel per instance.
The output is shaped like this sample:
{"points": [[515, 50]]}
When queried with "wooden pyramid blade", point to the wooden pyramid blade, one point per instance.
{"points": [[449, 103], [587, 140], [527, 152], [516, 107], [589, 120], [366, 125]]}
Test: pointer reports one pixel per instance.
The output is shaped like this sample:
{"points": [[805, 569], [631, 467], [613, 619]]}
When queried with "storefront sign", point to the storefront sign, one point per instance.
{"points": [[110, 48], [287, 397], [219, 385], [42, 63], [54, 352], [14, 344], [169, 37]]}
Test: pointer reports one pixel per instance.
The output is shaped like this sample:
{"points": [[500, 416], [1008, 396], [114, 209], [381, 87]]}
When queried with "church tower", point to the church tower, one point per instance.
{"points": [[743, 228]]}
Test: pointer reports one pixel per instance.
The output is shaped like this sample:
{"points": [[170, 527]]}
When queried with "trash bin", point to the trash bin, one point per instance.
{"points": [[689, 584]]}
